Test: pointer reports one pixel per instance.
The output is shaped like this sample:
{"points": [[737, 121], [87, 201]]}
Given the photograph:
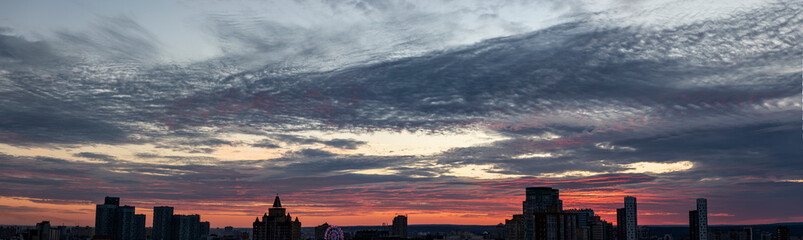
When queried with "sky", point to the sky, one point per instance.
{"points": [[354, 111]]}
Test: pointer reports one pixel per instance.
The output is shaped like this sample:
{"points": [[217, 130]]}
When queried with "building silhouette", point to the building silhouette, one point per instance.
{"points": [[644, 233], [621, 218], [116, 222], [169, 226], [782, 233], [371, 235], [320, 231], [399, 227], [126, 228], [584, 220], [204, 231], [631, 219], [105, 216], [42, 231], [500, 232], [694, 222], [277, 224], [542, 199], [555, 226], [161, 223], [731, 234], [589, 226], [139, 227], [600, 229], [539, 200], [544, 218], [698, 221], [514, 228], [748, 233], [627, 220], [185, 227]]}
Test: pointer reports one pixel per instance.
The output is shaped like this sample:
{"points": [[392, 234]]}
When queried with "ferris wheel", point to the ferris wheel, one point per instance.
{"points": [[333, 233]]}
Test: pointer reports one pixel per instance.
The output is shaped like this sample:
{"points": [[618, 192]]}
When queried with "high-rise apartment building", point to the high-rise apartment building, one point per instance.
{"points": [[584, 220], [185, 227], [161, 223], [766, 236], [139, 226], [731, 234], [112, 201], [320, 230], [601, 230], [105, 217], [125, 228], [514, 228], [116, 222], [399, 227], [631, 219], [542, 199], [702, 210], [205, 227], [544, 218], [698, 221], [748, 233], [694, 221], [277, 224], [539, 200], [782, 233], [555, 226], [42, 231], [500, 232], [620, 224]]}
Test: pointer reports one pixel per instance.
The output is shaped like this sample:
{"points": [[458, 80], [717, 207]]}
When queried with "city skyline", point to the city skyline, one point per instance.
{"points": [[554, 205], [358, 111]]}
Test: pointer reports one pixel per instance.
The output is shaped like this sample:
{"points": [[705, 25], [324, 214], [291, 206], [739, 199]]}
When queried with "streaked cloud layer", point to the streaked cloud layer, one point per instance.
{"points": [[441, 110]]}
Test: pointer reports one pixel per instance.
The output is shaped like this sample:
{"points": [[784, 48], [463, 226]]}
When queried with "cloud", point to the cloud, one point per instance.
{"points": [[607, 80], [55, 124], [336, 142], [95, 156], [265, 143], [721, 215], [18, 50], [315, 153], [119, 39]]}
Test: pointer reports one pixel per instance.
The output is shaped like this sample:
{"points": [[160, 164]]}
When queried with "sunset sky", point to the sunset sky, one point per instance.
{"points": [[353, 111]]}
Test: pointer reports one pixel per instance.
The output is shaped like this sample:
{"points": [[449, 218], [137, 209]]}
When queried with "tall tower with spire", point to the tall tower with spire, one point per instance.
{"points": [[277, 224]]}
